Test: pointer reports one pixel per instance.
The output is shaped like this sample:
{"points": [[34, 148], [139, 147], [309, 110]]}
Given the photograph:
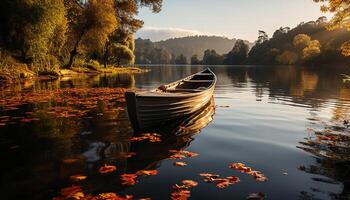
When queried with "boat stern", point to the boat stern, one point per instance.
{"points": [[131, 103]]}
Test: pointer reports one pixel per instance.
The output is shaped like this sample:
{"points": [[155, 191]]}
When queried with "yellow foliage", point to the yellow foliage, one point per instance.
{"points": [[345, 49], [301, 41]]}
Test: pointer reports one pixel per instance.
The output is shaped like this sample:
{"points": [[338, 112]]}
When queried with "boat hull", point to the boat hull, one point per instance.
{"points": [[147, 111]]}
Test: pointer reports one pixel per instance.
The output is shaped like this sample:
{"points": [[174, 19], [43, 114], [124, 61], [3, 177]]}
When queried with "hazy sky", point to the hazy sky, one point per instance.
{"points": [[230, 18]]}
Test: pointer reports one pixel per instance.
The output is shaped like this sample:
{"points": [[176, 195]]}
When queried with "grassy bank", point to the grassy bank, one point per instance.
{"points": [[20, 72]]}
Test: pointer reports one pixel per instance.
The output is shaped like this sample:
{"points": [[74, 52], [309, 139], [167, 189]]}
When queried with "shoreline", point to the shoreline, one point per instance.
{"points": [[22, 73]]}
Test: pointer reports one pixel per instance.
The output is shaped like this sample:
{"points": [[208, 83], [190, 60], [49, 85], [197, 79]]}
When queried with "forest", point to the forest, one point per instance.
{"points": [[47, 35], [308, 43]]}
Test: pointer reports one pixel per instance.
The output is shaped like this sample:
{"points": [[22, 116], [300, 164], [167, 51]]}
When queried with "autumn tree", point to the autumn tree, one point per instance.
{"points": [[301, 41], [90, 24], [312, 50], [341, 18]]}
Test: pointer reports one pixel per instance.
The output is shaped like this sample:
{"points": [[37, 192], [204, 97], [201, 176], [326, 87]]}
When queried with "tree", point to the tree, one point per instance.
{"points": [[212, 58], [195, 60], [312, 50], [301, 41], [33, 28], [119, 53], [280, 31], [341, 10], [181, 60], [238, 54], [263, 37], [91, 24]]}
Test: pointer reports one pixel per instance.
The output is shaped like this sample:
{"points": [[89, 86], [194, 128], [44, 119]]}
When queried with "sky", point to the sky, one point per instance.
{"points": [[239, 19]]}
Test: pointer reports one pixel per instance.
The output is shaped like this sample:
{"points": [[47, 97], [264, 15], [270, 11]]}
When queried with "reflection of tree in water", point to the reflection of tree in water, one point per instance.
{"points": [[331, 149]]}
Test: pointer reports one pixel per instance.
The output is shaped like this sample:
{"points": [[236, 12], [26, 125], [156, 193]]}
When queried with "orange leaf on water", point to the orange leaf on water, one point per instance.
{"points": [[128, 179], [147, 172], [107, 169], [189, 183], [259, 176], [111, 196], [77, 177], [73, 192], [180, 164]]}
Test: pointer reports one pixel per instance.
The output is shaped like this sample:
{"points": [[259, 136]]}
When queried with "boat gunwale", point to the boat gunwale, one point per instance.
{"points": [[152, 93]]}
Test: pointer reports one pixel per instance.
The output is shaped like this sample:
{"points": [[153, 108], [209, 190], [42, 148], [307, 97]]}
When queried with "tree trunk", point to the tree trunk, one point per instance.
{"points": [[72, 55], [74, 52], [105, 56]]}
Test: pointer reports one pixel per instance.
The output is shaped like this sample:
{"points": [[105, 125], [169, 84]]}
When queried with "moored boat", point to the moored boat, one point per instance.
{"points": [[168, 102]]}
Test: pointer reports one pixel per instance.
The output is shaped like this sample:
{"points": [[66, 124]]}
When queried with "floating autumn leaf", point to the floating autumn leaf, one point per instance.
{"points": [[152, 137], [181, 154], [259, 176], [111, 196], [219, 182], [189, 183], [128, 179], [77, 177], [147, 172], [182, 192], [107, 169], [73, 192], [180, 164], [209, 178]]}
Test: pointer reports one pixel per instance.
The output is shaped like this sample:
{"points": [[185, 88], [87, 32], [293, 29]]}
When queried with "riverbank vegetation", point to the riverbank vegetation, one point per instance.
{"points": [[46, 36]]}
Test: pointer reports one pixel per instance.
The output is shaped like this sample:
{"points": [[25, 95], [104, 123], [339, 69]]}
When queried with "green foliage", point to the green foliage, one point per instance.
{"points": [[119, 53]]}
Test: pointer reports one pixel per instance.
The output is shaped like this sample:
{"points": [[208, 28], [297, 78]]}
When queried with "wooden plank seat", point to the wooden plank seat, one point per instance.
{"points": [[197, 81]]}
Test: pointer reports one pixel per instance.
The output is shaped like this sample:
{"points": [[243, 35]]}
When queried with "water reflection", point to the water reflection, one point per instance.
{"points": [[261, 119]]}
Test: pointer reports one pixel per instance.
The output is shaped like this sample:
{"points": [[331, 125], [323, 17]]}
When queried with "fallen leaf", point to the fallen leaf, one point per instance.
{"points": [[147, 172], [259, 176], [107, 169], [128, 179], [189, 183], [111, 196], [77, 177], [180, 164], [73, 192]]}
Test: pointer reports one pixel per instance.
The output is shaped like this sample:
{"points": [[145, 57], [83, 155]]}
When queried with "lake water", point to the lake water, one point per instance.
{"points": [[265, 117]]}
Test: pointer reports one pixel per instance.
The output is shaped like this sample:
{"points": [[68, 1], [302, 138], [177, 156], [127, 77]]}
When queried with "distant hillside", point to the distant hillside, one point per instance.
{"points": [[176, 49], [192, 45]]}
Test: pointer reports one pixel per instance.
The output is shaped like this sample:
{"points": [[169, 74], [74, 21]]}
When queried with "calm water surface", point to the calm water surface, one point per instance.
{"points": [[264, 117]]}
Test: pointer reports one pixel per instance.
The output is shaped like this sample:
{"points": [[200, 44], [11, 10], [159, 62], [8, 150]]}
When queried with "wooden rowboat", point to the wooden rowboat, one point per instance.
{"points": [[168, 102]]}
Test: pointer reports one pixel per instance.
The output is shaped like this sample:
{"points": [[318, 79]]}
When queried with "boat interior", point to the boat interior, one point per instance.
{"points": [[196, 83]]}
